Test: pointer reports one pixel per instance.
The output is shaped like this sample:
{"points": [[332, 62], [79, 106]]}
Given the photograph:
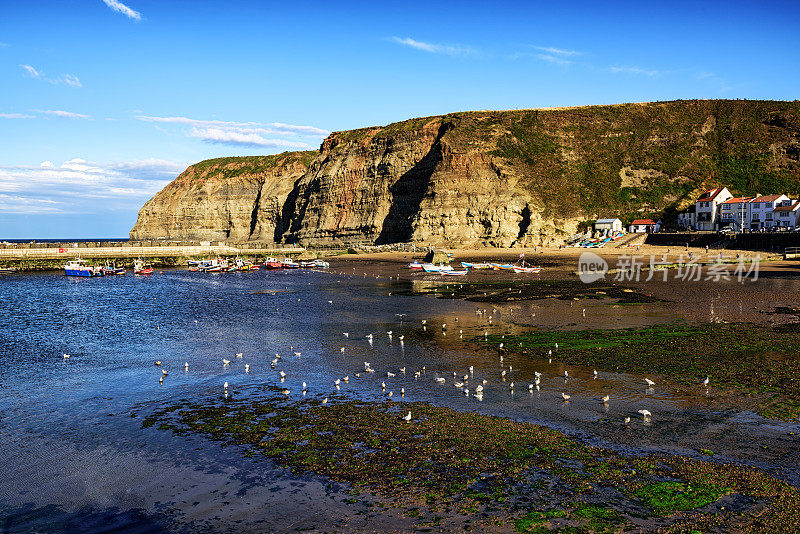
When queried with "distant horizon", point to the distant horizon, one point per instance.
{"points": [[105, 103]]}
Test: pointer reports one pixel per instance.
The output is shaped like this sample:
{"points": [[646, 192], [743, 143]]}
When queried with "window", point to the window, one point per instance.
{"points": [[768, 216]]}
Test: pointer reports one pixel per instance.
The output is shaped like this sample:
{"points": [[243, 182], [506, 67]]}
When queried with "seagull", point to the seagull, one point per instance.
{"points": [[66, 356], [530, 387], [645, 413], [556, 346], [238, 354], [407, 417], [158, 362], [424, 321], [511, 386], [441, 380], [186, 365], [225, 362], [305, 388], [297, 353], [286, 391], [283, 375], [342, 349], [566, 375], [594, 373], [346, 334], [627, 420], [161, 380], [401, 338], [706, 381], [471, 369], [649, 382], [458, 384], [479, 389], [537, 374], [325, 400], [336, 382], [403, 370], [383, 385], [164, 372], [330, 302], [225, 385], [247, 368], [346, 378], [566, 397], [389, 332], [390, 375], [369, 336], [606, 399]]}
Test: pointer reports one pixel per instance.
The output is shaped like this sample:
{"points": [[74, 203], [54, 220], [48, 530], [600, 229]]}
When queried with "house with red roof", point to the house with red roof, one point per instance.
{"points": [[762, 210], [707, 207], [734, 213], [786, 214], [642, 226]]}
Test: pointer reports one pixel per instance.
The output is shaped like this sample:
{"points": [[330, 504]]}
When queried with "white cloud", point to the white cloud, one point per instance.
{"points": [[76, 185], [33, 73], [65, 79], [4, 45], [251, 134], [433, 48], [119, 7], [243, 138], [552, 51], [15, 116], [62, 113], [553, 59], [634, 70]]}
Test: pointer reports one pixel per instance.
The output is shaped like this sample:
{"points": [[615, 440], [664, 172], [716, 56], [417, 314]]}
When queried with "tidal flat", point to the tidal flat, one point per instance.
{"points": [[98, 439]]}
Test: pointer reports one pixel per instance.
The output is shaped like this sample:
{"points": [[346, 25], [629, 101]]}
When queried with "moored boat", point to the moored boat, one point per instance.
{"points": [[112, 269], [523, 269], [415, 266], [273, 263], [288, 263], [140, 267], [469, 265], [452, 272], [79, 268]]}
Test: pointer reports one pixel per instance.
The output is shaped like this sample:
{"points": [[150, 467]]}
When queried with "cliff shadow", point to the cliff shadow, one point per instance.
{"points": [[408, 192]]}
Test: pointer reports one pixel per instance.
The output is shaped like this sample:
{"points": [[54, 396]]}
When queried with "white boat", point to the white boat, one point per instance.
{"points": [[469, 265], [518, 269], [452, 272], [431, 268], [79, 268]]}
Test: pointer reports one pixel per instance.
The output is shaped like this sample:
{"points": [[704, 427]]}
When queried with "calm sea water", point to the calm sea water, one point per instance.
{"points": [[75, 455]]}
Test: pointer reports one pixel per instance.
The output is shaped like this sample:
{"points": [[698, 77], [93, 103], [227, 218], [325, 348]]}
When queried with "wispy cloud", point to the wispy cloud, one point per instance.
{"points": [[119, 7], [33, 73], [635, 70], [4, 45], [251, 134], [62, 113], [16, 116], [64, 79], [76, 185], [434, 48], [550, 54], [561, 52], [243, 138]]}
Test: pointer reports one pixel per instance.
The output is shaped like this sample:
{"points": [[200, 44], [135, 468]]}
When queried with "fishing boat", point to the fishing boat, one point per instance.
{"points": [[288, 263], [273, 263], [502, 266], [415, 266], [140, 267], [79, 268], [112, 269], [469, 265], [194, 265], [431, 268], [321, 264], [452, 272], [524, 269]]}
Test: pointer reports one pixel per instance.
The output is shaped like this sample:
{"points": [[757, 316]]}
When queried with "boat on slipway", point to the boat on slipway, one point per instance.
{"points": [[79, 268]]}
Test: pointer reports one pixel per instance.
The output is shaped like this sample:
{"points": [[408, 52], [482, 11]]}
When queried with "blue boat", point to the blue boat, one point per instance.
{"points": [[79, 268]]}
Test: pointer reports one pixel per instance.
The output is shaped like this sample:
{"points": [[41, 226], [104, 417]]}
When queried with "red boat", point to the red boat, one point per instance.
{"points": [[272, 263], [139, 267]]}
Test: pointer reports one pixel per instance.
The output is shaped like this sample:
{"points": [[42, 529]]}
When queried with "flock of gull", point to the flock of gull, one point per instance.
{"points": [[464, 382]]}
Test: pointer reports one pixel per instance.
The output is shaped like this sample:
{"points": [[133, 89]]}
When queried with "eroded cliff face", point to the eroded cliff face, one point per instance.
{"points": [[224, 199], [486, 178]]}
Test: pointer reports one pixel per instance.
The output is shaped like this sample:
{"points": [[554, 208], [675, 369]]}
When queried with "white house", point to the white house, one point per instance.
{"points": [[787, 213], [607, 226], [706, 207], [688, 217], [641, 226], [761, 210], [733, 212]]}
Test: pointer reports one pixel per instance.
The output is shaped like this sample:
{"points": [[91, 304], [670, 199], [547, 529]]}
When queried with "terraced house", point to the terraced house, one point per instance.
{"points": [[707, 207], [762, 209]]}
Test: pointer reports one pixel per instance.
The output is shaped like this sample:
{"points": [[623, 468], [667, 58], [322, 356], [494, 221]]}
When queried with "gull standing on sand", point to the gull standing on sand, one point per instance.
{"points": [[645, 414], [566, 397], [650, 383], [407, 417]]}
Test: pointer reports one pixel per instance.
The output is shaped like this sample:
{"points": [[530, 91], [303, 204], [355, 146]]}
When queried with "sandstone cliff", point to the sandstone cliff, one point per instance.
{"points": [[491, 178]]}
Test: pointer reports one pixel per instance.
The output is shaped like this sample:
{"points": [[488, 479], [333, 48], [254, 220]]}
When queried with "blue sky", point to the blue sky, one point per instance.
{"points": [[103, 102]]}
